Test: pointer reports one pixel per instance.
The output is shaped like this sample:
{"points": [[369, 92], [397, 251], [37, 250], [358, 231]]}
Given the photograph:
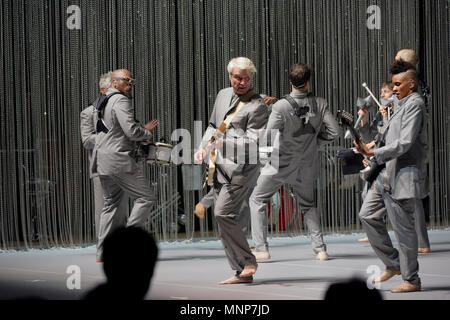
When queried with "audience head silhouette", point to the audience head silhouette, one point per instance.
{"points": [[129, 258], [351, 290]]}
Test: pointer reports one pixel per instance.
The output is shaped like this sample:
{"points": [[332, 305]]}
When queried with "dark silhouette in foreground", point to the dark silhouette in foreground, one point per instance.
{"points": [[129, 259], [353, 289]]}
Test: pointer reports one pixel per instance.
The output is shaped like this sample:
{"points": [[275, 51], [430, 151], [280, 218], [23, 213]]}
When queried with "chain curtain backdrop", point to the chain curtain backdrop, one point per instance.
{"points": [[178, 52]]}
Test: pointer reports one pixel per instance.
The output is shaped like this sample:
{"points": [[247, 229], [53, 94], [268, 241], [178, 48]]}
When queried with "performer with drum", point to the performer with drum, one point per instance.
{"points": [[113, 158], [88, 134]]}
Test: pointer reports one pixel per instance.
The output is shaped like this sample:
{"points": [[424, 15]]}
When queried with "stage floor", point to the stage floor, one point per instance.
{"points": [[190, 271]]}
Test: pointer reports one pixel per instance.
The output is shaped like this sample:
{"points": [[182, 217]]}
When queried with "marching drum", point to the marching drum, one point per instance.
{"points": [[159, 153]]}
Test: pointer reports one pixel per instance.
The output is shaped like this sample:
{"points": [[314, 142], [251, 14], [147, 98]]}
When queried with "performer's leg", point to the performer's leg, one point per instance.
{"points": [[372, 215], [421, 226], [98, 203], [208, 199], [244, 215], [124, 211], [113, 195], [401, 215], [228, 200], [138, 188], [266, 186], [304, 189]]}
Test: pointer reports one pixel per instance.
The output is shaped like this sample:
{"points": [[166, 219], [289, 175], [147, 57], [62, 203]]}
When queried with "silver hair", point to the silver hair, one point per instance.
{"points": [[243, 64], [105, 80]]}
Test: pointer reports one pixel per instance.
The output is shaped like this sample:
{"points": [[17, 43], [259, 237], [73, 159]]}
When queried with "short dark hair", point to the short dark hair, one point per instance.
{"points": [[299, 74], [401, 66]]}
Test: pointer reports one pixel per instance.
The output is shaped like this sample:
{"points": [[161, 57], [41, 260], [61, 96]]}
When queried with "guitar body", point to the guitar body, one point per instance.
{"points": [[373, 173], [347, 119], [212, 154]]}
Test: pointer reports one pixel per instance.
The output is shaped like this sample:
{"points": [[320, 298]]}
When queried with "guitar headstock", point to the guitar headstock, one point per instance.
{"points": [[345, 118]]}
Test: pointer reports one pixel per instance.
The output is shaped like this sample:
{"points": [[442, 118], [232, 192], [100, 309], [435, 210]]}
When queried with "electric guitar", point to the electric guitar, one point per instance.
{"points": [[212, 154], [371, 174]]}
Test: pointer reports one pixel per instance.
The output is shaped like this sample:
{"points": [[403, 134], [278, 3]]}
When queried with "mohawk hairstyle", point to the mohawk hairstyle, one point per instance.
{"points": [[400, 66]]}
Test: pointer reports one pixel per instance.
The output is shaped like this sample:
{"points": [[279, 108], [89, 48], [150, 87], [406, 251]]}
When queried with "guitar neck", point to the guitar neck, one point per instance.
{"points": [[355, 134]]}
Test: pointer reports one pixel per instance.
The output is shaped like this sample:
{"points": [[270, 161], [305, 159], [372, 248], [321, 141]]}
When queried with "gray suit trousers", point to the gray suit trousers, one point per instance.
{"points": [[122, 212], [303, 187], [419, 220], [421, 225], [208, 201], [228, 200], [115, 189], [401, 214]]}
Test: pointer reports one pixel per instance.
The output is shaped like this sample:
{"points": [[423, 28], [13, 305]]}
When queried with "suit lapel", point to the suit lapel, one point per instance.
{"points": [[231, 103], [396, 113]]}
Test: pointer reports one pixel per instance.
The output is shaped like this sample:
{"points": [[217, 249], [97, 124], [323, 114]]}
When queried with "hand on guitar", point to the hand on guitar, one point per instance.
{"points": [[370, 145], [383, 111], [215, 144], [366, 163], [363, 148], [364, 113], [199, 156], [151, 125]]}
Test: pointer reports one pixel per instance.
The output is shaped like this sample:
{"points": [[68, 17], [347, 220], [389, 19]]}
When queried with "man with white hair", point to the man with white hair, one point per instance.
{"points": [[88, 133], [240, 113]]}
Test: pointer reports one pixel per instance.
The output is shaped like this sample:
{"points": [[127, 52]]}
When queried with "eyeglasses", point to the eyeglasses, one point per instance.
{"points": [[129, 80]]}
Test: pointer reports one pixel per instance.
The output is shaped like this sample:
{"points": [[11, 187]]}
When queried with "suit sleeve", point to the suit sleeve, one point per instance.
{"points": [[212, 125], [330, 129], [125, 116], [87, 128], [411, 125], [368, 132]]}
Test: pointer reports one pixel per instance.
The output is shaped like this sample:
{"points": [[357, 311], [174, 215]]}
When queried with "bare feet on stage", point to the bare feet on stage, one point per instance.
{"points": [[248, 271], [237, 279], [363, 240], [387, 274], [424, 250]]}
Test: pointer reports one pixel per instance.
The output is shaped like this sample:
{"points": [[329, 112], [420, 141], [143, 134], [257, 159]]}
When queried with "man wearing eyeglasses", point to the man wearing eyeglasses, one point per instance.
{"points": [[88, 134], [244, 114], [113, 159]]}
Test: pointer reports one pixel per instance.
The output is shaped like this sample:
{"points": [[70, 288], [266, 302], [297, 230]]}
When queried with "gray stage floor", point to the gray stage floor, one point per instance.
{"points": [[191, 270]]}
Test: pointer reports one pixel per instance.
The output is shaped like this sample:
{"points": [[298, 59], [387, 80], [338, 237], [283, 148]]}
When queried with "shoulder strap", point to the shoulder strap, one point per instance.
{"points": [[291, 101], [102, 101], [100, 106]]}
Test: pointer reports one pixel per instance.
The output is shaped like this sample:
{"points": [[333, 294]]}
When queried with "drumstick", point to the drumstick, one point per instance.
{"points": [[371, 94]]}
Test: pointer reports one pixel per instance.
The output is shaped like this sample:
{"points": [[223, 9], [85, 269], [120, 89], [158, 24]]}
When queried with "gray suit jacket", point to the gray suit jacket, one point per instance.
{"points": [[242, 134], [405, 152], [297, 146], [114, 151], [87, 130]]}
